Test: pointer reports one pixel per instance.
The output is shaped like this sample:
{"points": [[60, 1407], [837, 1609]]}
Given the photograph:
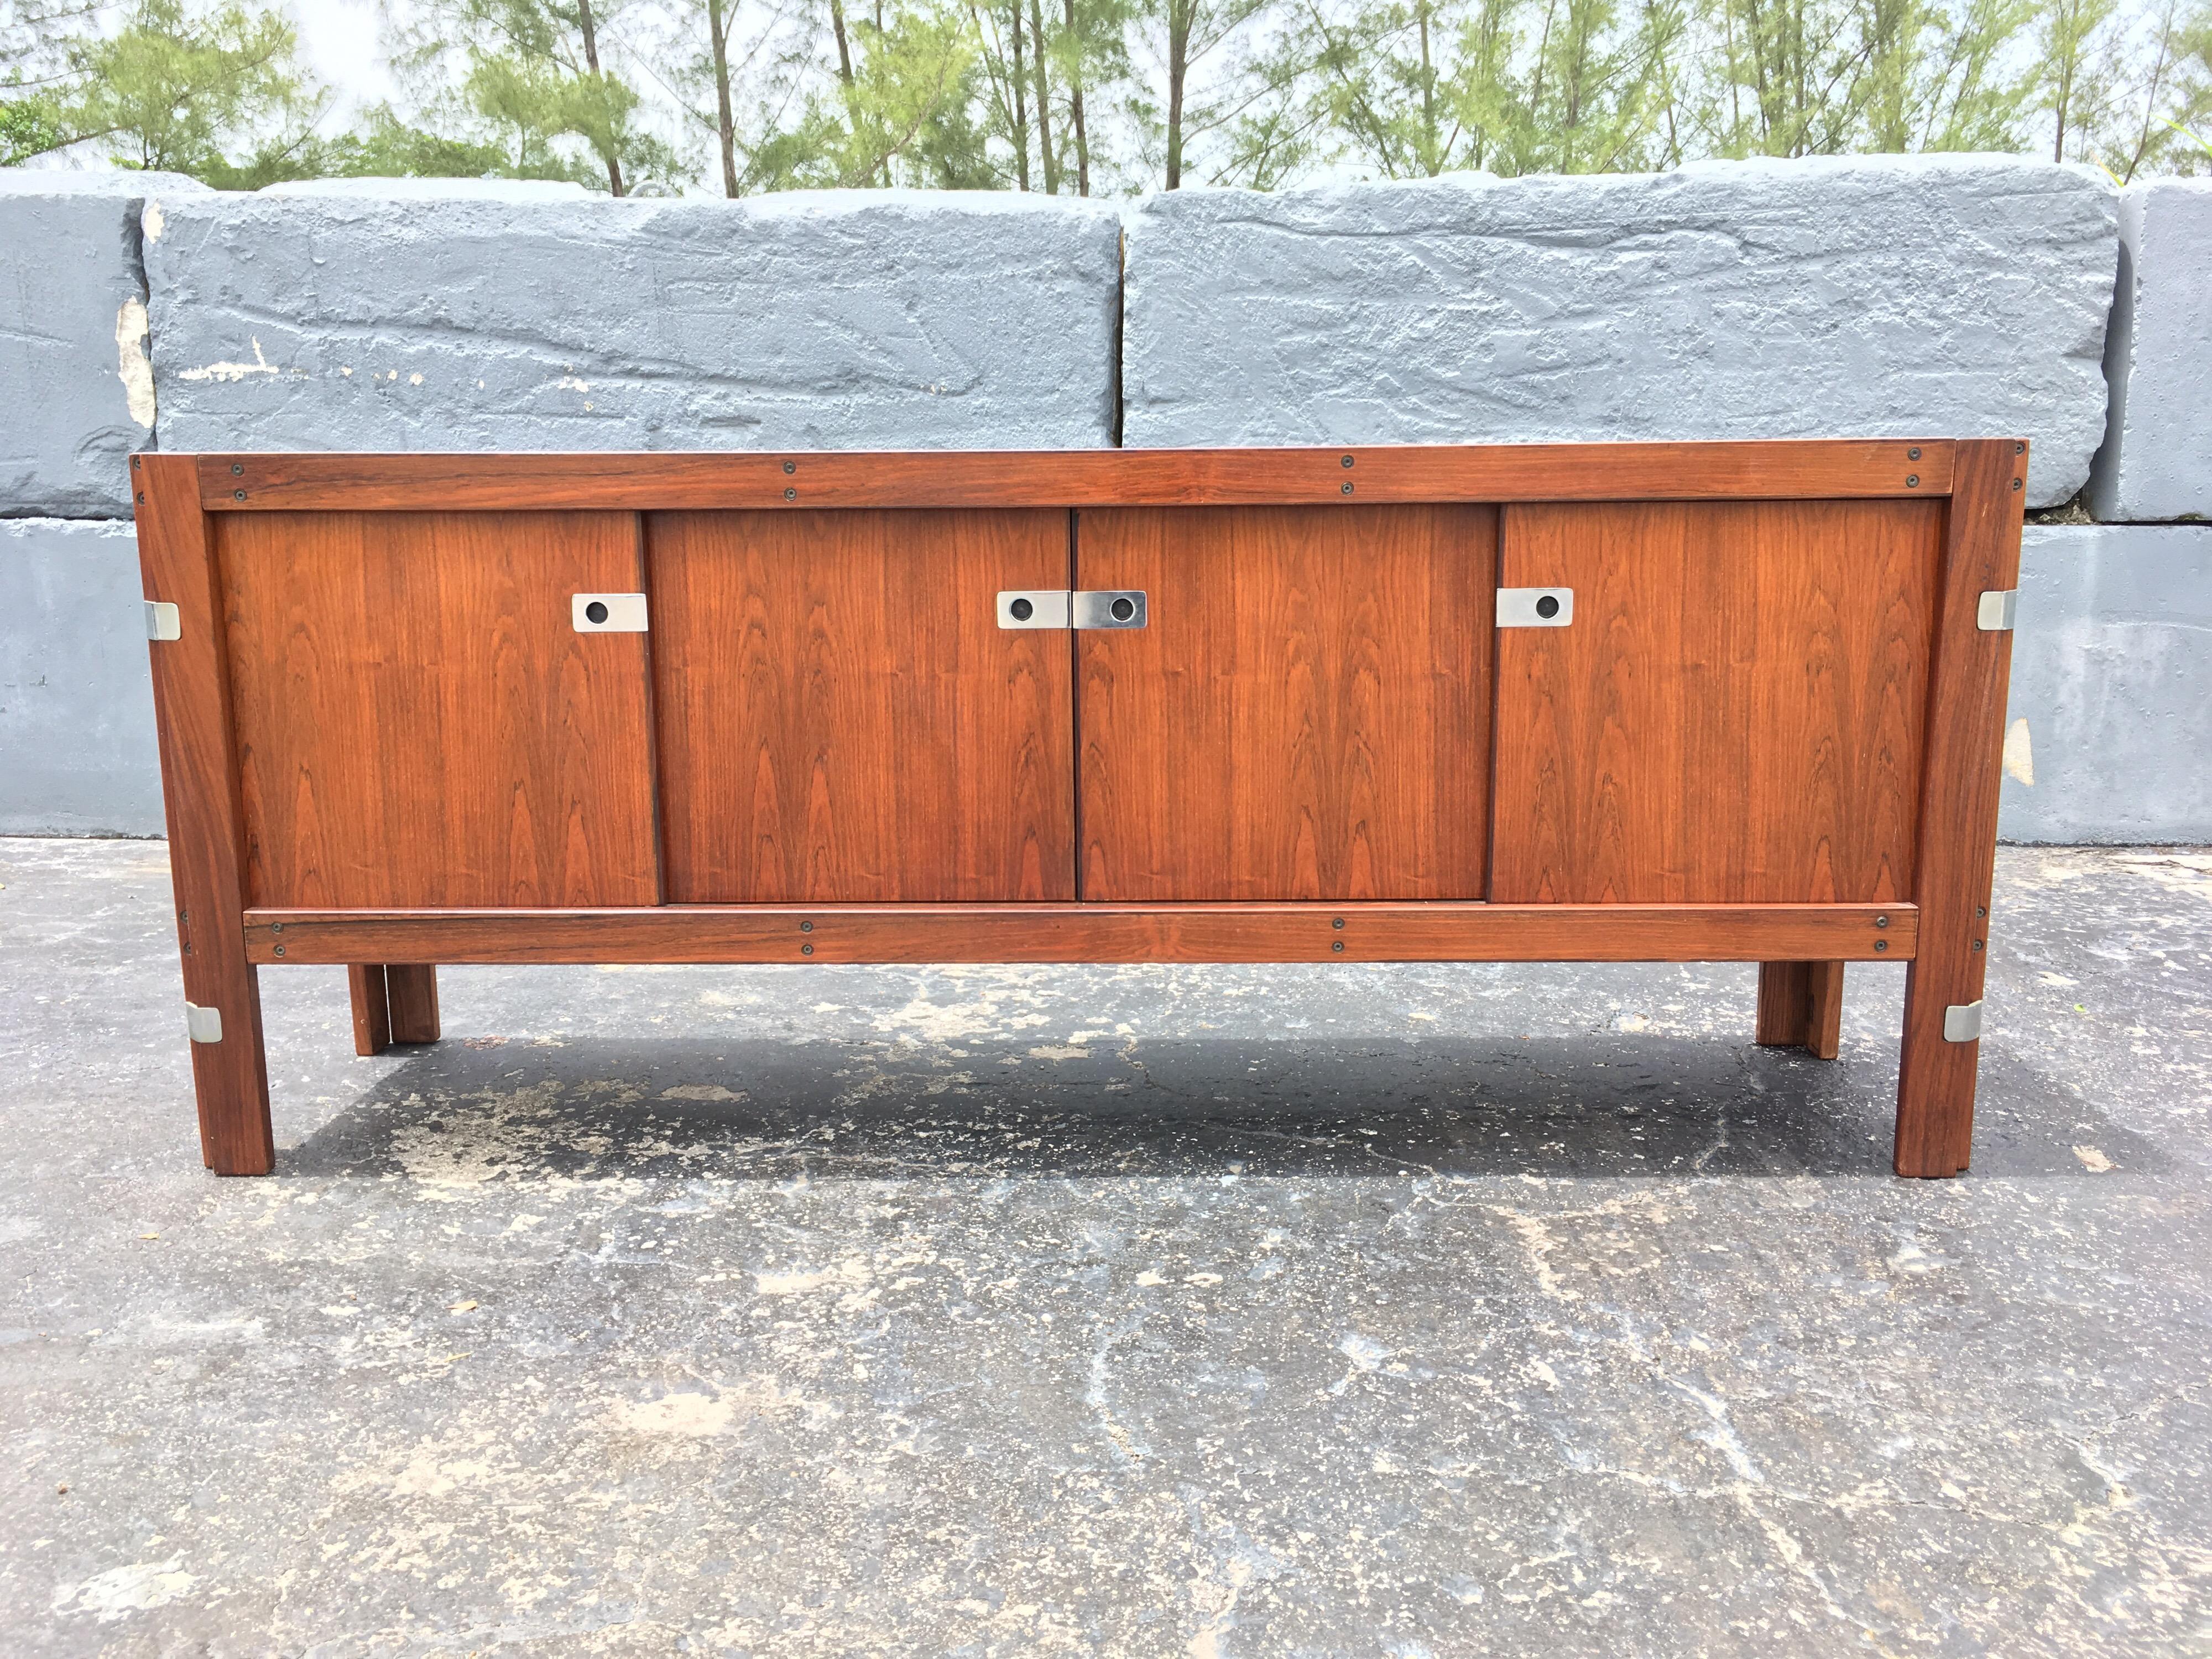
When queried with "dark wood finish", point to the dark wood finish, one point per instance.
{"points": [[1958, 810], [842, 719], [418, 721], [371, 1007], [1305, 715], [1734, 715], [1097, 932], [200, 796], [413, 988], [1789, 469], [1771, 734], [1801, 1005]]}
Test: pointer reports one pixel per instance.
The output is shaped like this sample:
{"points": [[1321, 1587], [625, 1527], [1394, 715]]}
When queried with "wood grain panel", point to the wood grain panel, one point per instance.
{"points": [[413, 988], [1735, 714], [1099, 932], [801, 480], [419, 722], [1958, 811], [1801, 1005], [371, 1007], [1306, 715], [207, 833], [842, 719]]}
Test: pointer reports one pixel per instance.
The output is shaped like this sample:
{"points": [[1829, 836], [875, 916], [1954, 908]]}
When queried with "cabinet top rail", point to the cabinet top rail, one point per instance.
{"points": [[1779, 469]]}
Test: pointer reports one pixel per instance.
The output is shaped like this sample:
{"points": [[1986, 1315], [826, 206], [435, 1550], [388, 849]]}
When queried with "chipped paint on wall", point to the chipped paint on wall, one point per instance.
{"points": [[2019, 753], [260, 365], [132, 364]]}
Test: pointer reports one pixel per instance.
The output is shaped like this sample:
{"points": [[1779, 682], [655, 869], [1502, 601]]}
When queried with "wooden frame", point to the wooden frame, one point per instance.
{"points": [[1938, 927]]}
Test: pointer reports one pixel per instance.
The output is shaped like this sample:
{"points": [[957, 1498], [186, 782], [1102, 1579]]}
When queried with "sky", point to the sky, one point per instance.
{"points": [[339, 40]]}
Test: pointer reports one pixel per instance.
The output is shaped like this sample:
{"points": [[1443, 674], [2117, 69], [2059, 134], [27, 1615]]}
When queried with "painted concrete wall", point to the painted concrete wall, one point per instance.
{"points": [[2156, 462], [845, 320], [76, 690], [77, 393], [2109, 731], [1737, 299], [1873, 296]]}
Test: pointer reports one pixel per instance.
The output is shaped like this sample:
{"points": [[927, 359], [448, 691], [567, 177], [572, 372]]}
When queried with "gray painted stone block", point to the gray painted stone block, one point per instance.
{"points": [[435, 189], [852, 319], [2109, 731], [1956, 297], [77, 754], [77, 395], [2156, 462]]}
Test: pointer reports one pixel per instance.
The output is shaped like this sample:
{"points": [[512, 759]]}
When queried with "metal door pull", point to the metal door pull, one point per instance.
{"points": [[608, 613], [1535, 607], [1057, 607]]}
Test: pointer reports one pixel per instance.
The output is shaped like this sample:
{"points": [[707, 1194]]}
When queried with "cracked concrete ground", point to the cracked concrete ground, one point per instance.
{"points": [[1411, 1311]]}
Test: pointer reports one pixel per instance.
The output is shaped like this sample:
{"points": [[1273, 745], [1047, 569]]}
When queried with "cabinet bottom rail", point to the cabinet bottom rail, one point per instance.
{"points": [[1092, 932]]}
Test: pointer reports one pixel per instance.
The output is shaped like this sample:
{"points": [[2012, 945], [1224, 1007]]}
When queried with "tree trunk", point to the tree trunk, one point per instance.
{"points": [[591, 61], [1075, 111], [1021, 105], [1179, 21], [727, 127], [844, 47], [1044, 102]]}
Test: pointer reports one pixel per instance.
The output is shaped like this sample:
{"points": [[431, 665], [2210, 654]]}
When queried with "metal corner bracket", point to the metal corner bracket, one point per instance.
{"points": [[162, 622], [1994, 613], [203, 1025], [1962, 1022]]}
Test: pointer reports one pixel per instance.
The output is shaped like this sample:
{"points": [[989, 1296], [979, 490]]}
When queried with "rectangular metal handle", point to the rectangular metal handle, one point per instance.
{"points": [[1535, 607], [1109, 608], [1056, 607], [608, 613], [1033, 607]]}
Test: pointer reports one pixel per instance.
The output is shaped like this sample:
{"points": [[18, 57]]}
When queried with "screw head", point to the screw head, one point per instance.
{"points": [[2016, 484], [238, 469], [2020, 449], [1347, 486], [238, 495], [1912, 454], [280, 950], [805, 926], [790, 495], [1338, 922], [1336, 944], [141, 495], [791, 466], [1881, 945], [1347, 460], [806, 949], [1912, 481], [1981, 910], [1881, 921], [1977, 945]]}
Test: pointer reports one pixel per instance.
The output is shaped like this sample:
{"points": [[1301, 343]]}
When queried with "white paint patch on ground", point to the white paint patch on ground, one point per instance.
{"points": [[121, 1591]]}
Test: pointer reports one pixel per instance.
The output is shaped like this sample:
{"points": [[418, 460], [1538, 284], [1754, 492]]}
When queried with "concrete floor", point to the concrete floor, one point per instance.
{"points": [[1417, 1311]]}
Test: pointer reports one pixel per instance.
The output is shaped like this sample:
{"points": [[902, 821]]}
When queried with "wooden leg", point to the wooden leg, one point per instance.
{"points": [[1801, 1005], [413, 990], [1959, 813], [207, 839], [372, 1011]]}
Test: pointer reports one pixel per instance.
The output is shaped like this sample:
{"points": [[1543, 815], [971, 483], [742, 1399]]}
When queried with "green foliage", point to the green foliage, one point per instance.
{"points": [[173, 87], [1099, 96]]}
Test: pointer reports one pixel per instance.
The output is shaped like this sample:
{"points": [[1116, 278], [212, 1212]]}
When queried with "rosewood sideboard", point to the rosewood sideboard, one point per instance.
{"points": [[1690, 702]]}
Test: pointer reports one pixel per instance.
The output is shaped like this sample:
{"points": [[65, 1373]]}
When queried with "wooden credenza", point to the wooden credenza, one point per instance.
{"points": [[1723, 701]]}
